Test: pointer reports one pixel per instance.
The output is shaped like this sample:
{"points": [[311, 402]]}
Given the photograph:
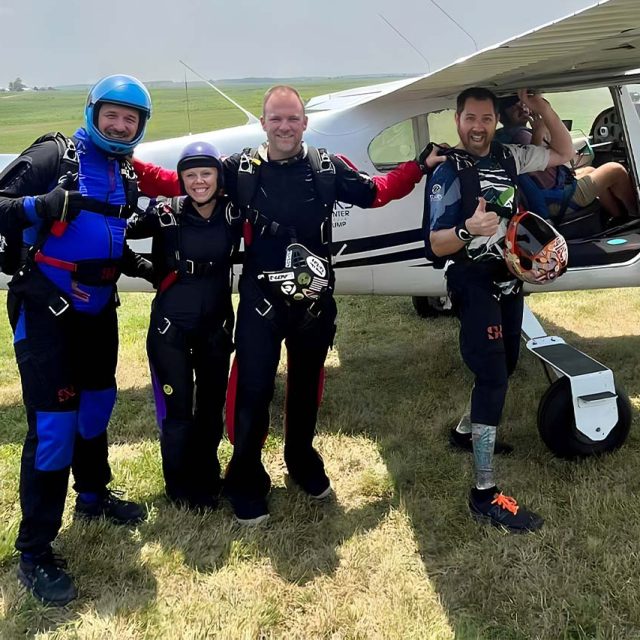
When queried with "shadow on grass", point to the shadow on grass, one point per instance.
{"points": [[402, 392], [104, 560], [406, 392], [300, 539]]}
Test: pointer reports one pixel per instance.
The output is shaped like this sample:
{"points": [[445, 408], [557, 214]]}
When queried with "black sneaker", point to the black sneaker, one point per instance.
{"points": [[464, 441], [493, 507], [249, 511], [316, 486], [109, 505], [44, 575], [307, 471]]}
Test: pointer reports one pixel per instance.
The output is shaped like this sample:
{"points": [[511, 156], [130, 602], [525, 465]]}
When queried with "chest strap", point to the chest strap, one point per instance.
{"points": [[90, 272]]}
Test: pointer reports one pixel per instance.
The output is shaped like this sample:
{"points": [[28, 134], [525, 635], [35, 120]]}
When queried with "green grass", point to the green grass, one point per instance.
{"points": [[27, 115], [395, 554]]}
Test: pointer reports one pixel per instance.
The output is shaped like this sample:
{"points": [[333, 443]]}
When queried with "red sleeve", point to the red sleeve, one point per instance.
{"points": [[156, 181], [397, 183]]}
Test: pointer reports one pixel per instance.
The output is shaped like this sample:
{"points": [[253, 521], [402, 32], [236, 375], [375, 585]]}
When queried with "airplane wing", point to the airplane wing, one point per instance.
{"points": [[599, 42]]}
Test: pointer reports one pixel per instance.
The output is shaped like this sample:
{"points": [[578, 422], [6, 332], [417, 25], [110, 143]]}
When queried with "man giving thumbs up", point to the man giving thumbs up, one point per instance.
{"points": [[470, 198]]}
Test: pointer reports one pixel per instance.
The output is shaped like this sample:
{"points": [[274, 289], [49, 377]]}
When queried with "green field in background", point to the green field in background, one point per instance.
{"points": [[27, 115]]}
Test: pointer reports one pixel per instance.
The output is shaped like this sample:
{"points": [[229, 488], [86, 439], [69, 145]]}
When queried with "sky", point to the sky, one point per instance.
{"points": [[59, 42]]}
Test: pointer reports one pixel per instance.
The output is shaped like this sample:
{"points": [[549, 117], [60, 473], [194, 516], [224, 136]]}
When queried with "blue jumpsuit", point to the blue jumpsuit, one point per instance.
{"points": [[65, 332]]}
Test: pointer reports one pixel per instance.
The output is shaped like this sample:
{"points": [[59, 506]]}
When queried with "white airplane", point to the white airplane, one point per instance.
{"points": [[382, 252]]}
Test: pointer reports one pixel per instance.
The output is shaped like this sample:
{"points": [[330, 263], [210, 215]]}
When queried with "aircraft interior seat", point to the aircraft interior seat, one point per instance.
{"points": [[582, 223]]}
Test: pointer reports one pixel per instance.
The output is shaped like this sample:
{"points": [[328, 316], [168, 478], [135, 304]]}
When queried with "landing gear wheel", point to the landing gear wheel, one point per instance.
{"points": [[432, 307], [557, 425]]}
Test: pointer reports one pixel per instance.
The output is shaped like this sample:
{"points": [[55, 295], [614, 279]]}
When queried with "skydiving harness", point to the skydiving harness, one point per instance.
{"points": [[467, 172], [221, 339], [169, 212], [21, 259], [305, 276]]}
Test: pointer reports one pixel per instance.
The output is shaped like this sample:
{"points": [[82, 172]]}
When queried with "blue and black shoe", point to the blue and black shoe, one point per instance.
{"points": [[109, 505], [44, 575], [493, 507]]}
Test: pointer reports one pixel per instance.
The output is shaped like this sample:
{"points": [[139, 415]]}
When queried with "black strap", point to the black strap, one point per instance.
{"points": [[324, 175]]}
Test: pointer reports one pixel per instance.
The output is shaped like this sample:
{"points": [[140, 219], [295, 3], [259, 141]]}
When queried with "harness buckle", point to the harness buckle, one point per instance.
{"points": [[245, 164], [166, 219], [70, 152], [326, 166], [59, 310], [167, 324], [266, 309]]}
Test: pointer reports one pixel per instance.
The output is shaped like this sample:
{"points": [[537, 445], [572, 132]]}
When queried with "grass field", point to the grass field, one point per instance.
{"points": [[395, 554], [25, 116]]}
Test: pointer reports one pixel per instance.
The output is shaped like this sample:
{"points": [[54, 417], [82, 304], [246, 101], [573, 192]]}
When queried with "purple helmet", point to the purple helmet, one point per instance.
{"points": [[200, 154]]}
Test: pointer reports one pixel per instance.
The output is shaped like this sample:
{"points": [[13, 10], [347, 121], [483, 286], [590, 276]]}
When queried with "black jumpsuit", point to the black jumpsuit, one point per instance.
{"points": [[189, 341], [286, 195]]}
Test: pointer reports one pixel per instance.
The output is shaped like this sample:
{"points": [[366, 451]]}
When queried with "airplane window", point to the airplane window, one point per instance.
{"points": [[442, 127], [399, 143]]}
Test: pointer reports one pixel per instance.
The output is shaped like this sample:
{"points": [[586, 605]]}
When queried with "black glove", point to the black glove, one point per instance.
{"points": [[59, 204], [423, 156], [146, 271]]}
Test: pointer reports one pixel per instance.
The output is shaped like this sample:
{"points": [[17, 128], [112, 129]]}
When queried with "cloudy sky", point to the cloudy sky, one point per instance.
{"points": [[48, 42]]}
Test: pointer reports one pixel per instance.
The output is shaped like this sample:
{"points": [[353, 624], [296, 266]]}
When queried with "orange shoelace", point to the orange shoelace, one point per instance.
{"points": [[506, 502]]}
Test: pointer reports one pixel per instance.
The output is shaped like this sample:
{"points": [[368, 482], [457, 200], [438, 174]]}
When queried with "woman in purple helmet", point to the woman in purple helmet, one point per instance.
{"points": [[189, 342]]}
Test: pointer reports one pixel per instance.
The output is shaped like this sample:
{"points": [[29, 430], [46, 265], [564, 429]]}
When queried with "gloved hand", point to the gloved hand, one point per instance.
{"points": [[58, 204], [146, 271], [431, 156]]}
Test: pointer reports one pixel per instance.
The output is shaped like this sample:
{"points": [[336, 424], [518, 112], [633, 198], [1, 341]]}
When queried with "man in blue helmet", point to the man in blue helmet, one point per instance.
{"points": [[62, 307]]}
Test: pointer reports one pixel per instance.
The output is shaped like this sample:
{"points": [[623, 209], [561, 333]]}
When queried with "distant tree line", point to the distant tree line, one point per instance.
{"points": [[19, 85]]}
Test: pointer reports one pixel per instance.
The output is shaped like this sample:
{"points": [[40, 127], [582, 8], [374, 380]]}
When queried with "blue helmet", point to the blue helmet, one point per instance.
{"points": [[200, 154], [121, 90]]}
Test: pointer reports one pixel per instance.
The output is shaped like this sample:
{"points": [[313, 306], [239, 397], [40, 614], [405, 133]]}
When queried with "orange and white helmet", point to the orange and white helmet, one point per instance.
{"points": [[534, 251]]}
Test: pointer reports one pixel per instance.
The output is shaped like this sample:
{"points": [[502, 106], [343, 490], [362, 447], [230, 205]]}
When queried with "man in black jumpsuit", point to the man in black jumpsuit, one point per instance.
{"points": [[287, 196]]}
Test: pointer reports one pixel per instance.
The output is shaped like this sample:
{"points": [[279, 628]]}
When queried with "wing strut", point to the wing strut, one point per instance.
{"points": [[251, 119]]}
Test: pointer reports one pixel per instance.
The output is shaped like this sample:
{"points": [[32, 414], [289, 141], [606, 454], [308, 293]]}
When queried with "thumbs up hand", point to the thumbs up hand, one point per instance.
{"points": [[482, 222]]}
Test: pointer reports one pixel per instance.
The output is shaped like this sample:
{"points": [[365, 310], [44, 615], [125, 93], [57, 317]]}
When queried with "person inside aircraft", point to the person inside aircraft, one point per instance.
{"points": [[71, 196], [189, 342], [562, 189], [286, 191], [468, 201]]}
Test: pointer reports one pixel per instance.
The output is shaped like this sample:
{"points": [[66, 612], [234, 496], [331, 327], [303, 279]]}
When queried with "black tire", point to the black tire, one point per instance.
{"points": [[432, 307], [557, 425]]}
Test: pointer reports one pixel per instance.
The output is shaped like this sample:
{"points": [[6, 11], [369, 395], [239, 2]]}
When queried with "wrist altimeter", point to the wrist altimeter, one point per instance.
{"points": [[463, 233]]}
